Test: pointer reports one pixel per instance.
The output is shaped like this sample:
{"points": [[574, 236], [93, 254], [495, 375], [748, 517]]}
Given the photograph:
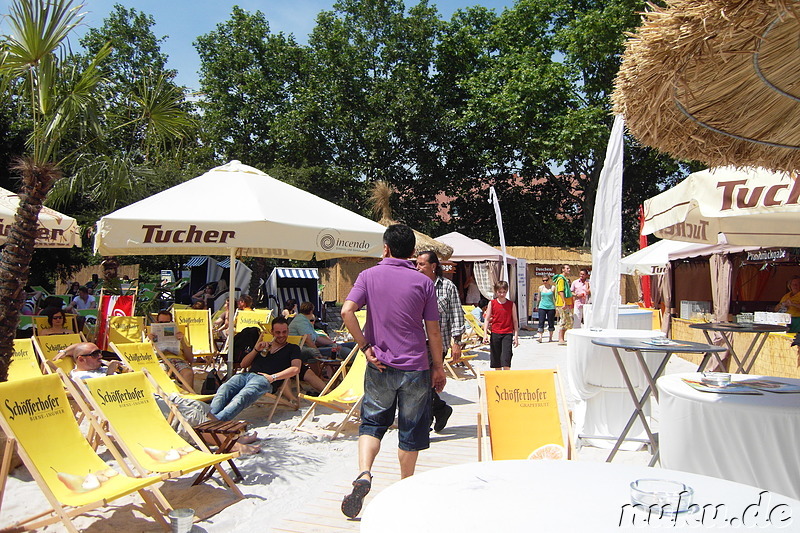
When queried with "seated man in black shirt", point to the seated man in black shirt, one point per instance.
{"points": [[269, 364]]}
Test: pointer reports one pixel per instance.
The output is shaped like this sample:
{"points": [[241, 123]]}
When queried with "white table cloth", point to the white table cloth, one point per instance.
{"points": [[603, 404], [554, 497], [745, 438]]}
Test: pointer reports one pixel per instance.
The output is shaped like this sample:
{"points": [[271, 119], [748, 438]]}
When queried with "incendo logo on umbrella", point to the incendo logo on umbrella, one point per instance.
{"points": [[326, 240], [330, 239]]}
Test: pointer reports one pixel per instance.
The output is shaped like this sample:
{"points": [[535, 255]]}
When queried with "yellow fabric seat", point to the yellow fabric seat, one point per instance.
{"points": [[24, 363], [37, 416], [140, 355], [346, 396], [126, 401], [48, 347]]}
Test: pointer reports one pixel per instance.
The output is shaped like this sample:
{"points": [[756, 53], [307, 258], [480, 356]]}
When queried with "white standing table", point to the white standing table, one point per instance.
{"points": [[560, 497], [745, 438], [603, 403]]}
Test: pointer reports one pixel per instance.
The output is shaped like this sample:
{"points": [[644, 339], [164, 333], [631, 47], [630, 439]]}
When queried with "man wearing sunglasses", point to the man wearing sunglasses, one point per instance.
{"points": [[88, 361]]}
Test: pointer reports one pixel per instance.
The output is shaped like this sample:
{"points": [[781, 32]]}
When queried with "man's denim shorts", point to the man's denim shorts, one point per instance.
{"points": [[408, 392]]}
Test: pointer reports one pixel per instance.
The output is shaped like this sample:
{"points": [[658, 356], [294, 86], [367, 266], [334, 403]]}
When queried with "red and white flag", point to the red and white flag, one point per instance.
{"points": [[111, 305]]}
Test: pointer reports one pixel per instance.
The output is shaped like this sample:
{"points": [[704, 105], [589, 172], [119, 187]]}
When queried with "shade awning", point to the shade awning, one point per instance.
{"points": [[749, 207], [469, 249], [54, 230]]}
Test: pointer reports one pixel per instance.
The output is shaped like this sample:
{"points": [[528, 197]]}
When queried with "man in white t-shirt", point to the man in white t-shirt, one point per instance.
{"points": [[83, 300]]}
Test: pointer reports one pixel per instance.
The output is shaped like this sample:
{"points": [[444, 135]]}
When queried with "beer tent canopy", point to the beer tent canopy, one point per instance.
{"points": [[653, 259], [238, 210], [748, 207], [54, 229], [468, 249]]}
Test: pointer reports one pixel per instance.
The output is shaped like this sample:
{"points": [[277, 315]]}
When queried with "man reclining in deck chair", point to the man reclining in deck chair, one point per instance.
{"points": [[269, 364], [89, 365]]}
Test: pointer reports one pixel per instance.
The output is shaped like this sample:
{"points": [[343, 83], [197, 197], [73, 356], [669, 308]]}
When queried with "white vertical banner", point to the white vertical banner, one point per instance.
{"points": [[522, 291], [493, 200], [607, 233]]}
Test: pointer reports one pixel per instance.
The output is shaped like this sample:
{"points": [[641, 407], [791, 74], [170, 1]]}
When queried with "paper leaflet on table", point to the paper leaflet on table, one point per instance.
{"points": [[769, 385], [164, 337], [733, 388]]}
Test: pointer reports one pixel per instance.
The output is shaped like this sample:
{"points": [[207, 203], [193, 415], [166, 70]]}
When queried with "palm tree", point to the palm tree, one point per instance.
{"points": [[60, 99]]}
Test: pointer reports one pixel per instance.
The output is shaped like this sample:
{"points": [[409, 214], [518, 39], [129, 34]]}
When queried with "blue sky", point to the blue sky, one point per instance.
{"points": [[183, 20]]}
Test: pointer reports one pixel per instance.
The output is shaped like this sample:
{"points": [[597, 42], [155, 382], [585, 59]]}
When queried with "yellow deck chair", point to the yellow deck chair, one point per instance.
{"points": [[523, 415], [40, 323], [345, 397], [49, 345], [140, 355], [122, 329], [24, 363], [290, 387], [251, 318], [465, 359], [361, 316], [73, 478], [198, 331], [159, 449], [477, 331]]}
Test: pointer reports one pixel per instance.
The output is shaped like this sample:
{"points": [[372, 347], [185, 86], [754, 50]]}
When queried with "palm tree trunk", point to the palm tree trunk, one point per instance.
{"points": [[16, 256]]}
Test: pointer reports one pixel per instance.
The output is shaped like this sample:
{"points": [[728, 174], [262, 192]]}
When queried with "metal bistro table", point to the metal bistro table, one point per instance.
{"points": [[761, 331], [638, 346]]}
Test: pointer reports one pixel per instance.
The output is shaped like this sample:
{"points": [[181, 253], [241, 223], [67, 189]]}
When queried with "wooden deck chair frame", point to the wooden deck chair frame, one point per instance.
{"points": [[154, 501], [465, 360], [477, 329], [24, 361], [281, 398], [348, 409], [483, 425], [158, 373], [95, 414]]}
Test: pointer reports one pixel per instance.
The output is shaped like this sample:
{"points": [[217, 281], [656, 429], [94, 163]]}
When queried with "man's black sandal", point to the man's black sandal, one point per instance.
{"points": [[352, 503]]}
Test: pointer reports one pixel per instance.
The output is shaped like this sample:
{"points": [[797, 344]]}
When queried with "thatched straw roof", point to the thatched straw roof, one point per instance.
{"points": [[734, 68], [381, 208]]}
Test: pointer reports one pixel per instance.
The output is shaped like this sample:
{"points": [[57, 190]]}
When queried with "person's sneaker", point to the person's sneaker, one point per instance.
{"points": [[352, 503], [441, 417]]}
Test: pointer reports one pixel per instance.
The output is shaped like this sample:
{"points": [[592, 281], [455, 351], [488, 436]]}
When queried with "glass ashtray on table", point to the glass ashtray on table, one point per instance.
{"points": [[671, 497], [716, 379]]}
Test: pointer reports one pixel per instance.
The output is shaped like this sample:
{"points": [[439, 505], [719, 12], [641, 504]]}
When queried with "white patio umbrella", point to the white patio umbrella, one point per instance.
{"points": [[238, 210], [749, 207], [55, 230], [653, 260]]}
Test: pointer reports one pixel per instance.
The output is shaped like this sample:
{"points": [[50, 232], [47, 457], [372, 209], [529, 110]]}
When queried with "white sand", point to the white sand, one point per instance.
{"points": [[293, 467]]}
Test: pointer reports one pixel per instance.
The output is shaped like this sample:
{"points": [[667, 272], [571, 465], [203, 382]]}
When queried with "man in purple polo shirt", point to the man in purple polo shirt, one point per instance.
{"points": [[399, 300]]}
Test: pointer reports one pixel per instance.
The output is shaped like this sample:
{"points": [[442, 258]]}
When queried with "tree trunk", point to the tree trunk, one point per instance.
{"points": [[16, 256]]}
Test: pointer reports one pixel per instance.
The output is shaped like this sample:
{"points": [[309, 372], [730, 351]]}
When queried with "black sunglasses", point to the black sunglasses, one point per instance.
{"points": [[96, 353]]}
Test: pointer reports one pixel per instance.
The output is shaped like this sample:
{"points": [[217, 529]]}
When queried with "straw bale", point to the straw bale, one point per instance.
{"points": [[701, 55], [551, 255]]}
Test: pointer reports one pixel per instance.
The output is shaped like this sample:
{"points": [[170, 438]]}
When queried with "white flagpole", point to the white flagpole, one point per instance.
{"points": [[499, 216]]}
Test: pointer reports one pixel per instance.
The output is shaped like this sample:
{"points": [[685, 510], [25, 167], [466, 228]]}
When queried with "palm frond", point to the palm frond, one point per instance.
{"points": [[38, 28]]}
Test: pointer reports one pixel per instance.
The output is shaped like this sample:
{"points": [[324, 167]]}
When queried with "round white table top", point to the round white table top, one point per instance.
{"points": [[776, 403], [563, 497]]}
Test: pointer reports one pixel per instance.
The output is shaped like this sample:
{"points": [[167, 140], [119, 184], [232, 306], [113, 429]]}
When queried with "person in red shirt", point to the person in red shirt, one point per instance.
{"points": [[503, 324]]}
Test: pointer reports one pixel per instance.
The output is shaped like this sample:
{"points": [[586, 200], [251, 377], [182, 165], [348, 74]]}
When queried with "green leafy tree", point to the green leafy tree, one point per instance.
{"points": [[248, 77]]}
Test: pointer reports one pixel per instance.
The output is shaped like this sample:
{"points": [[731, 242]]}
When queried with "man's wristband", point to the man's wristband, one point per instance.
{"points": [[274, 377], [366, 347]]}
